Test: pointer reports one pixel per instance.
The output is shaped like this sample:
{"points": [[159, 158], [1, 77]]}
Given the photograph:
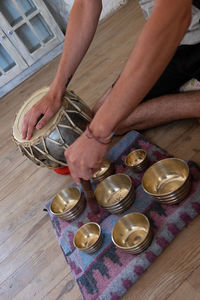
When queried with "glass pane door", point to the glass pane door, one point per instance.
{"points": [[6, 61], [11, 63], [35, 33], [10, 11], [27, 7], [14, 10], [30, 27], [28, 38], [41, 28]]}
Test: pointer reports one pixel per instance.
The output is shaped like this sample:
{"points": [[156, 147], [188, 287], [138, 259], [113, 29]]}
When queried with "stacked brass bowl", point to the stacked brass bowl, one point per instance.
{"points": [[88, 238], [68, 204], [137, 160], [115, 193], [132, 233], [167, 181], [106, 170]]}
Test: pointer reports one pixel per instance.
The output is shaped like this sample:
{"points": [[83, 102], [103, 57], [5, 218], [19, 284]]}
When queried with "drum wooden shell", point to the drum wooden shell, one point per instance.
{"points": [[47, 146]]}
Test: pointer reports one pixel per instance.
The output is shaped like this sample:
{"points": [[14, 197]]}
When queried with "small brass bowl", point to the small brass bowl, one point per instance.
{"points": [[113, 191], [132, 233], [137, 160], [68, 203], [106, 170], [88, 238], [166, 178]]}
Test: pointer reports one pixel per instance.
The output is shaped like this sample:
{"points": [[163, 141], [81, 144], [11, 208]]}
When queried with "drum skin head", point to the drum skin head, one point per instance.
{"points": [[23, 110], [47, 146]]}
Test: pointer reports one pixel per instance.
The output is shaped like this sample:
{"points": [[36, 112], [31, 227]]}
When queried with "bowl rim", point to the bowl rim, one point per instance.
{"points": [[116, 174], [88, 223], [136, 150], [135, 213], [94, 177], [159, 162], [60, 214]]}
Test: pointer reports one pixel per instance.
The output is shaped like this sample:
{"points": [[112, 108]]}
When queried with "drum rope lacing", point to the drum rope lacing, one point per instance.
{"points": [[73, 126]]}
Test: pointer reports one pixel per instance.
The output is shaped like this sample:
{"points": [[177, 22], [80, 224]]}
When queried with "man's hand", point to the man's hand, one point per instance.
{"points": [[81, 27], [47, 106], [84, 157]]}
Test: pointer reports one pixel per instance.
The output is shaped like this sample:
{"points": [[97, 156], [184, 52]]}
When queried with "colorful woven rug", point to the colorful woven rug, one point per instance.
{"points": [[109, 273]]}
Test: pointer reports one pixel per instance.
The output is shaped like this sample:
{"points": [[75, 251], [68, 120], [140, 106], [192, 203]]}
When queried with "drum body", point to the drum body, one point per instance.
{"points": [[47, 146]]}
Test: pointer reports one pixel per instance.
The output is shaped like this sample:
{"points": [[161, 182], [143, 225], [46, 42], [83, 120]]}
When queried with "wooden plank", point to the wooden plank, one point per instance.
{"points": [[34, 202], [10, 182], [186, 146], [62, 286], [170, 269], [194, 279], [167, 135], [28, 275], [184, 292]]}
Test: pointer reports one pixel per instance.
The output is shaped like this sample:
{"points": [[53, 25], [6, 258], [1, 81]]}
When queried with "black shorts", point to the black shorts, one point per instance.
{"points": [[184, 66]]}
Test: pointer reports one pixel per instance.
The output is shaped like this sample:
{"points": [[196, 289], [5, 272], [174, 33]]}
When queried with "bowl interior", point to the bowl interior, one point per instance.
{"points": [[130, 230], [135, 158], [104, 168], [65, 200], [113, 189], [87, 235], [165, 176]]}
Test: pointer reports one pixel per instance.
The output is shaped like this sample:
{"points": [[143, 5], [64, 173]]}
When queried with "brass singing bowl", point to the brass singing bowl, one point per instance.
{"points": [[131, 232], [135, 158], [113, 189], [177, 193], [104, 168], [126, 200], [88, 237], [67, 200], [165, 177], [142, 246], [122, 206], [181, 194]]}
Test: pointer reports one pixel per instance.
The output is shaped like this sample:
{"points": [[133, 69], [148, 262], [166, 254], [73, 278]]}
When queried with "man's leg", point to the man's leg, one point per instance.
{"points": [[160, 110], [164, 104]]}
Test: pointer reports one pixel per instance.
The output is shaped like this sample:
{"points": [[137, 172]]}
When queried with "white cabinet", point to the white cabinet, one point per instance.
{"points": [[27, 32], [11, 62]]}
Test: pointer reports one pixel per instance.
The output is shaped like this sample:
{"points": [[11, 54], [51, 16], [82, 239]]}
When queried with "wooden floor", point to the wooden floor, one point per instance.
{"points": [[32, 265]]}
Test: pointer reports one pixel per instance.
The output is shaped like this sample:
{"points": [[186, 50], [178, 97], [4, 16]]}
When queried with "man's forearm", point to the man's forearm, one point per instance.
{"points": [[153, 51], [81, 27]]}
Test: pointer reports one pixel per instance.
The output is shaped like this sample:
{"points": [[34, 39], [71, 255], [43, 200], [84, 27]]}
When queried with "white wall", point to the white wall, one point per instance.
{"points": [[61, 9], [109, 6]]}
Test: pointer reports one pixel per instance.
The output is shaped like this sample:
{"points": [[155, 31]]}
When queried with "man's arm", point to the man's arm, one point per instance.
{"points": [[81, 27], [154, 49]]}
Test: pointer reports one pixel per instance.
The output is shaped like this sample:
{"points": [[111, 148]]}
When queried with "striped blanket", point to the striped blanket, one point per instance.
{"points": [[109, 273]]}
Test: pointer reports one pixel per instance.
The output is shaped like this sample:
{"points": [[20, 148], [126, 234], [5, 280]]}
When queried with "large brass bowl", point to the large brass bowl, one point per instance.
{"points": [[68, 203], [137, 160], [88, 238], [113, 190], [165, 177], [132, 233]]}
